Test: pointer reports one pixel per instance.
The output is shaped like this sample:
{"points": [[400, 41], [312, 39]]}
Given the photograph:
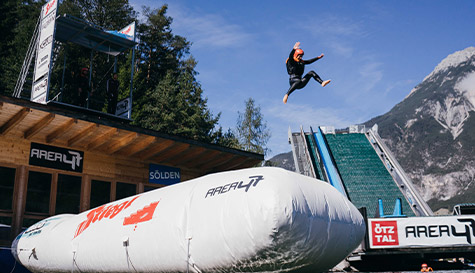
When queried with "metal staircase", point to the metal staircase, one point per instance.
{"points": [[302, 158]]}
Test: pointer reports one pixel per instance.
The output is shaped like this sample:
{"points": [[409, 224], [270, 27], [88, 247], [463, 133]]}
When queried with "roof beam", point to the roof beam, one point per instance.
{"points": [[215, 161], [101, 139], [207, 156], [134, 148], [39, 125], [84, 133], [61, 130], [116, 145], [176, 149], [14, 120], [191, 154], [160, 145]]}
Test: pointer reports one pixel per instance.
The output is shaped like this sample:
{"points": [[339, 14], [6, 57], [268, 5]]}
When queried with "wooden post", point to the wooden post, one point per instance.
{"points": [[113, 195], [19, 199], [85, 202], [53, 193]]}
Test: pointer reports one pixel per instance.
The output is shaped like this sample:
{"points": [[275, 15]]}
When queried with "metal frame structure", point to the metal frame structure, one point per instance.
{"points": [[70, 29]]}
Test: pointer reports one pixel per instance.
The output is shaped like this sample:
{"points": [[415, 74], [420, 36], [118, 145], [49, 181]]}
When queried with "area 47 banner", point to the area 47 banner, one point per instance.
{"points": [[422, 231]]}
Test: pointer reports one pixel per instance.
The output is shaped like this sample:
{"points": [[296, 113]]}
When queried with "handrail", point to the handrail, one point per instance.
{"points": [[423, 207], [333, 176]]}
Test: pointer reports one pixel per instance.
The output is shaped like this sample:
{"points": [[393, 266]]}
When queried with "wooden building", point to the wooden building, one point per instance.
{"points": [[62, 159]]}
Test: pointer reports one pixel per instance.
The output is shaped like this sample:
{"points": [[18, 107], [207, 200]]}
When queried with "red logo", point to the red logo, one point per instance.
{"points": [[102, 212], [384, 233], [49, 5], [142, 215], [127, 30]]}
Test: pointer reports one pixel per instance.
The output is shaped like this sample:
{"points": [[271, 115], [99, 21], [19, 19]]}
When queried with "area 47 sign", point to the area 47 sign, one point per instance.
{"points": [[56, 157], [422, 231]]}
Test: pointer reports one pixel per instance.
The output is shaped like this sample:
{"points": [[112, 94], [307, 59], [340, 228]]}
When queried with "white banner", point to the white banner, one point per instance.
{"points": [[422, 231], [123, 108], [45, 45], [40, 88], [39, 92]]}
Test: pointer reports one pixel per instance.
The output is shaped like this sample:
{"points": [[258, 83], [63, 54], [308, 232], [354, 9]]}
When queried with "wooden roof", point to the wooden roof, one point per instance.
{"points": [[87, 130]]}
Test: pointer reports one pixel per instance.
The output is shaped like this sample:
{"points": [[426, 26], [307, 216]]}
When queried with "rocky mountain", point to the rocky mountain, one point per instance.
{"points": [[432, 132], [284, 160]]}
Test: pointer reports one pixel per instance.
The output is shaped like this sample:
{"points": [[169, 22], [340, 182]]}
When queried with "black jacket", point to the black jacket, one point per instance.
{"points": [[296, 69]]}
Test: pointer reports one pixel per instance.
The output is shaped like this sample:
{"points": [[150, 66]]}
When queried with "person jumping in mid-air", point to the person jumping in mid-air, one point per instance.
{"points": [[295, 68]]}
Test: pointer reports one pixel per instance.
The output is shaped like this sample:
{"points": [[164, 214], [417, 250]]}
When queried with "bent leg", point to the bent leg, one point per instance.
{"points": [[314, 75], [294, 85], [318, 79]]}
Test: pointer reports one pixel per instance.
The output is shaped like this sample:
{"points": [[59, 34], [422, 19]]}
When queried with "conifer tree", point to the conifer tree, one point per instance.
{"points": [[176, 106], [18, 21], [252, 131]]}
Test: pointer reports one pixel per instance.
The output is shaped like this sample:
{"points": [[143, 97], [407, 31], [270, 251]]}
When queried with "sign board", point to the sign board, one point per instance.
{"points": [[40, 88], [123, 108], [56, 157], [422, 231], [44, 48], [164, 175]]}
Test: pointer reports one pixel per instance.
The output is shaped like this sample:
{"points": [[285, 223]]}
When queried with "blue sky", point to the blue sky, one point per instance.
{"points": [[375, 53]]}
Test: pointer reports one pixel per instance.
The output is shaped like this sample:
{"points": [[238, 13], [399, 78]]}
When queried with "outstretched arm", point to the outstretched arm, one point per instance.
{"points": [[313, 60]]}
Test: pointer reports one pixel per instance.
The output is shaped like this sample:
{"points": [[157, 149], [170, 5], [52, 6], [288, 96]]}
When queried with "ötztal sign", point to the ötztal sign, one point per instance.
{"points": [[422, 231]]}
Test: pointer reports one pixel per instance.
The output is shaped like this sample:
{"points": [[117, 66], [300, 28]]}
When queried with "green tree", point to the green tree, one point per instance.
{"points": [[226, 139], [110, 15], [17, 22], [176, 106], [167, 96], [159, 53], [252, 131], [8, 21]]}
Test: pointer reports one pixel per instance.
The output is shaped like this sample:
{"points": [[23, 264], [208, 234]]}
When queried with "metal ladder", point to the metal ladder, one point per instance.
{"points": [[302, 159]]}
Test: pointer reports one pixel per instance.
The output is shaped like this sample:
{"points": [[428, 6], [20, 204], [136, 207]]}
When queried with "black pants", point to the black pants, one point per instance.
{"points": [[299, 83], [111, 105]]}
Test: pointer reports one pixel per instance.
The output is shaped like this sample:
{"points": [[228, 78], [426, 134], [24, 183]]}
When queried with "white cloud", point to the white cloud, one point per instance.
{"points": [[207, 30], [336, 33], [371, 74], [335, 26], [340, 48]]}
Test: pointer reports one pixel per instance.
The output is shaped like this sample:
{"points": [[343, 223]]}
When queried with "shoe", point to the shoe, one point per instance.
{"points": [[325, 83], [286, 97]]}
